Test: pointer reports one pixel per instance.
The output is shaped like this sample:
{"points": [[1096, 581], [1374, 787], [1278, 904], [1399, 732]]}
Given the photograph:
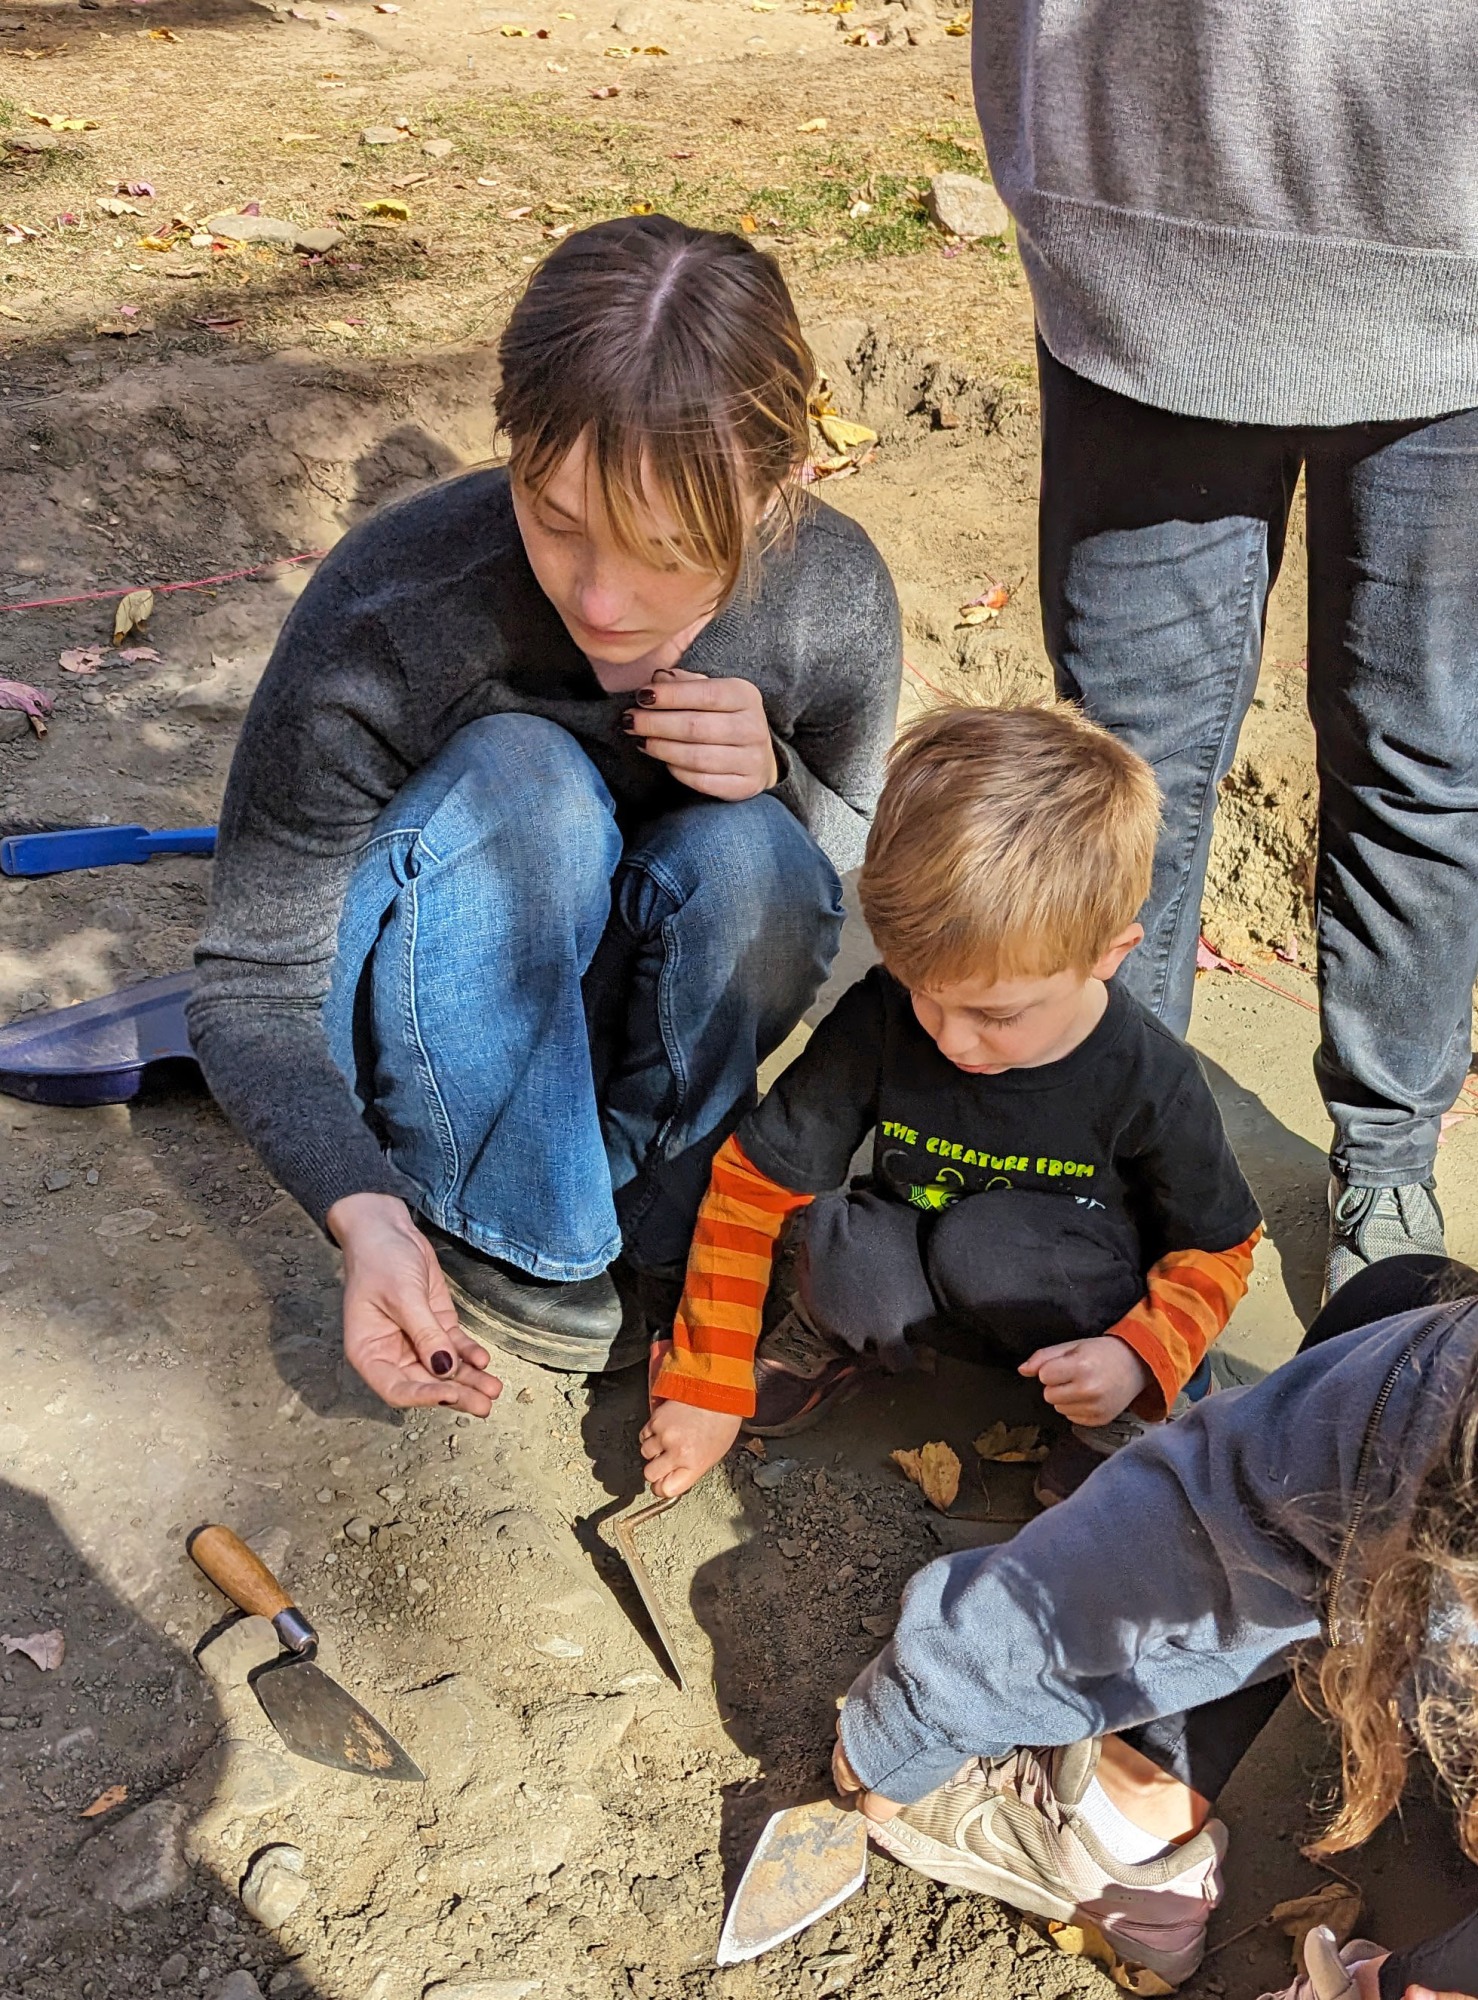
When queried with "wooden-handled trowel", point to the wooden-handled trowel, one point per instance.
{"points": [[312, 1714]]}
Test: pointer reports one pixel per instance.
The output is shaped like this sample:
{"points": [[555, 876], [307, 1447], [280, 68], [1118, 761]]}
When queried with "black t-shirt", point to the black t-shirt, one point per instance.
{"points": [[1126, 1122]]}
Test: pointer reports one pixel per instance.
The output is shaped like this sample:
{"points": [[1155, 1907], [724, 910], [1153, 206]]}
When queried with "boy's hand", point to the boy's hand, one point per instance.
{"points": [[680, 1443], [1089, 1381], [713, 734], [851, 1792]]}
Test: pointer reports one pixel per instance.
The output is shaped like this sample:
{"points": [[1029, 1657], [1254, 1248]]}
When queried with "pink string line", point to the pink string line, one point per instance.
{"points": [[163, 589]]}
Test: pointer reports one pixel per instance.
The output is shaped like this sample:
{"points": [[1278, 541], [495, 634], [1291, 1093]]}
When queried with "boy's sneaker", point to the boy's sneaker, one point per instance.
{"points": [[1368, 1223], [1330, 1974], [799, 1374], [1011, 1829]]}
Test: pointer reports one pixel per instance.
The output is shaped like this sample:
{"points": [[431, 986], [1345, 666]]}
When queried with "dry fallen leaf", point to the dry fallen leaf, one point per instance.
{"points": [[131, 655], [132, 614], [756, 1447], [936, 1469], [111, 205], [47, 1649], [17, 232], [812, 125], [607, 90], [33, 702], [516, 214], [81, 660], [514, 33], [157, 242], [842, 435], [393, 211], [105, 1801], [1011, 1444], [1336, 1904], [640, 208], [163, 35], [298, 138], [1086, 1941], [56, 121]]}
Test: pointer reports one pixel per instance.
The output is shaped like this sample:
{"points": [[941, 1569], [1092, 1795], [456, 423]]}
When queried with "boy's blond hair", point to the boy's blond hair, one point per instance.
{"points": [[1009, 843]]}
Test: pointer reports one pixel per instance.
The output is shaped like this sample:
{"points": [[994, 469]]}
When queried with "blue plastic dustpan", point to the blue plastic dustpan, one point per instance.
{"points": [[99, 1051]]}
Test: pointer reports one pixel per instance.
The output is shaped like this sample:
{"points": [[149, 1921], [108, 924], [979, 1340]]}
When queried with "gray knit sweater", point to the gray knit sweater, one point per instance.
{"points": [[423, 619], [1259, 210]]}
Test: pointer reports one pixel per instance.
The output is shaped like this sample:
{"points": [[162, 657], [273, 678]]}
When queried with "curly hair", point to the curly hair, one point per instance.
{"points": [[1402, 1677]]}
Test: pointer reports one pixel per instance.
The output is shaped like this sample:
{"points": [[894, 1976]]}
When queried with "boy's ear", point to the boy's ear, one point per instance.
{"points": [[1118, 951]]}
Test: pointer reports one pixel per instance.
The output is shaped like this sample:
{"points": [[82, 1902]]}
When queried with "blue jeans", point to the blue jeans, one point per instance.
{"points": [[1160, 538], [553, 1023]]}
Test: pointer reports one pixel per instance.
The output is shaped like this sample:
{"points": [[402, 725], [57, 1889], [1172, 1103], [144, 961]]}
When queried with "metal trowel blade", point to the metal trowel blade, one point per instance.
{"points": [[318, 1719], [807, 1860]]}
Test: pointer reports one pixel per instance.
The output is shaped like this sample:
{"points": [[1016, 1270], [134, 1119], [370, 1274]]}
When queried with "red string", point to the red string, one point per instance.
{"points": [[163, 589]]}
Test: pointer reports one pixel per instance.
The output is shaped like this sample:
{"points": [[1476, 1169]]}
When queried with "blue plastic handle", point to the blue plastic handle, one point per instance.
{"points": [[97, 847]]}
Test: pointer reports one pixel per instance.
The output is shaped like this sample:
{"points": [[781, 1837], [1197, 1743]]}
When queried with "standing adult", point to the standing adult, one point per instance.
{"points": [[1251, 232], [529, 852]]}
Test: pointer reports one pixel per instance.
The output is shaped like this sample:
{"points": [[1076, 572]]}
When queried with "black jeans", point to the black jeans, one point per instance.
{"points": [[1160, 538], [992, 1277], [1202, 1747]]}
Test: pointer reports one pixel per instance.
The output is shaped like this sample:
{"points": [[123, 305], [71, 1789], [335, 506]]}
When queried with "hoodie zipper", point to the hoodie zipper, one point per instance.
{"points": [[1367, 1451]]}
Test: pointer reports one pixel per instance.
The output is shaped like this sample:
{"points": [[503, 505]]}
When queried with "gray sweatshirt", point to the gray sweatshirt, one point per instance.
{"points": [[423, 619], [1259, 210], [1188, 1566]]}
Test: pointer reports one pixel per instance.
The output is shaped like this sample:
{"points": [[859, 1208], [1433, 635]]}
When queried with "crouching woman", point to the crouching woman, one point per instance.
{"points": [[530, 848]]}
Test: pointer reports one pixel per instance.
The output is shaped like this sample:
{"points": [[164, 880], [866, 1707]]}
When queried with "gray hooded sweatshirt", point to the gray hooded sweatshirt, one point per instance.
{"points": [[1189, 1565], [1258, 210]]}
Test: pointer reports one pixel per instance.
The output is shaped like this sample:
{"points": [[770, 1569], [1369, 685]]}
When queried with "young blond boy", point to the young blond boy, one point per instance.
{"points": [[1050, 1182]]}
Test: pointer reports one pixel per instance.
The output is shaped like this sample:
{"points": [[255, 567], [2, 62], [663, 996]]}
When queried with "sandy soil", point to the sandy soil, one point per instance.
{"points": [[169, 1318]]}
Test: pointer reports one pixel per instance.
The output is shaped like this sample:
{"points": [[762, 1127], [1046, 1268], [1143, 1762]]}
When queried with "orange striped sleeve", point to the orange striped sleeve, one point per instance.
{"points": [[711, 1360], [1189, 1297]]}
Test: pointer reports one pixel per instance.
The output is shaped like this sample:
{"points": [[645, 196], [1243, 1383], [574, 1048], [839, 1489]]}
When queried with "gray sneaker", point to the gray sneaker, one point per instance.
{"points": [[1331, 1972], [1011, 1829], [1368, 1223]]}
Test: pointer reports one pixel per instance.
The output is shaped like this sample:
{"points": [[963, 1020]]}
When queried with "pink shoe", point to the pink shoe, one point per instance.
{"points": [[1011, 1830], [1331, 1971]]}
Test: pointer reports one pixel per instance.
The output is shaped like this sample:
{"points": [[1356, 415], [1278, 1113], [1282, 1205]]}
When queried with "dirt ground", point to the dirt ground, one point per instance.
{"points": [[169, 1318]]}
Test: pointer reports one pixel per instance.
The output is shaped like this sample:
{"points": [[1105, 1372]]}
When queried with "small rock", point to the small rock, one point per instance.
{"points": [[32, 142], [13, 724], [252, 229], [774, 1472], [238, 1985], [92, 1177], [141, 1861], [392, 1495], [441, 1730], [290, 1983], [382, 135], [324, 1495], [274, 1887], [57, 1179], [792, 1551], [879, 1626], [318, 242], [436, 149], [232, 1654], [559, 1649], [173, 1970], [581, 1733], [338, 1467], [419, 1586], [359, 1530], [526, 1395], [965, 206]]}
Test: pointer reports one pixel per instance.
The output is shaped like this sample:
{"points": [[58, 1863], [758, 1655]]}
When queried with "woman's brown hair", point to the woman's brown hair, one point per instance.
{"points": [[677, 354], [1403, 1675]]}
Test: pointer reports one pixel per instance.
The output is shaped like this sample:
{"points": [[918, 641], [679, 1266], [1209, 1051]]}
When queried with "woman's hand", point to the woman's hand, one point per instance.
{"points": [[400, 1327], [680, 1443], [850, 1790], [1089, 1381], [713, 734]]}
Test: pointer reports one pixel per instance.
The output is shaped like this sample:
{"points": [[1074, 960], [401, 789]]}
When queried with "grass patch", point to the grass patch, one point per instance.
{"points": [[9, 113]]}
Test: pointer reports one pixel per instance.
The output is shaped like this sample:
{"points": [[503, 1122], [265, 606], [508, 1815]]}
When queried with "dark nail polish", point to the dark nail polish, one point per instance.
{"points": [[646, 697], [442, 1363], [628, 722]]}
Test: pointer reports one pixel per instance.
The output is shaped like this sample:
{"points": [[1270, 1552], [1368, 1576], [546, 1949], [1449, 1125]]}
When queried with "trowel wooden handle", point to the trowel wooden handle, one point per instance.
{"points": [[238, 1571]]}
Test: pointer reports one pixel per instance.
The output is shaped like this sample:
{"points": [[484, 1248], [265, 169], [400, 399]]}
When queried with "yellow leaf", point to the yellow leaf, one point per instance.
{"points": [[131, 614], [156, 243], [393, 211], [762, 6], [1336, 1904], [959, 26], [812, 125], [514, 34], [640, 208], [1006, 1444], [748, 224], [56, 121], [105, 1801], [341, 326], [841, 6], [163, 35], [936, 1469], [844, 436]]}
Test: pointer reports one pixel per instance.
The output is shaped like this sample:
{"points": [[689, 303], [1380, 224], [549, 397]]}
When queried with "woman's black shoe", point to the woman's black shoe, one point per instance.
{"points": [[577, 1327]]}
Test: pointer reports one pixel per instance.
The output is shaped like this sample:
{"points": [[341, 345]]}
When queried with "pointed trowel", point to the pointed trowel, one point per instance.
{"points": [[312, 1714], [807, 1860]]}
